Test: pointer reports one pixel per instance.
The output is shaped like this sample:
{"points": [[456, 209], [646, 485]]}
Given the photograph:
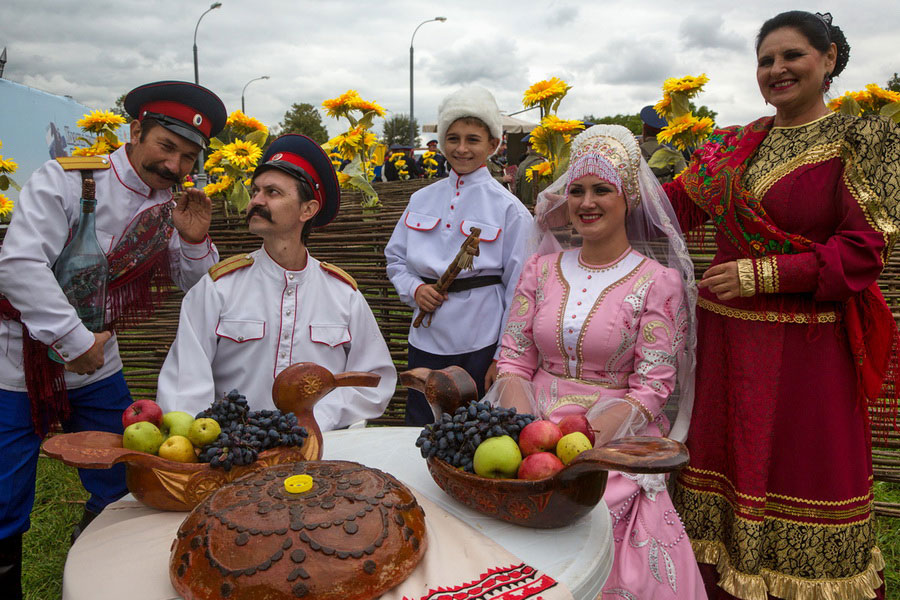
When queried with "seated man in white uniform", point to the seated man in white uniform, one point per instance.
{"points": [[256, 314]]}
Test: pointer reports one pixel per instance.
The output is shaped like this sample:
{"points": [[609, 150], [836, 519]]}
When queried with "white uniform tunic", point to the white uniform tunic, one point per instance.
{"points": [[242, 330], [49, 207], [428, 237]]}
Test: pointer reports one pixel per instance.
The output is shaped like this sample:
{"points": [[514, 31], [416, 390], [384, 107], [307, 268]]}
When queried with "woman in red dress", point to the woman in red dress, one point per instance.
{"points": [[794, 336]]}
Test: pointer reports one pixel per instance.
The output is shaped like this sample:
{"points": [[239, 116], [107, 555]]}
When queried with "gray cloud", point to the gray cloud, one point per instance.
{"points": [[707, 32], [494, 63]]}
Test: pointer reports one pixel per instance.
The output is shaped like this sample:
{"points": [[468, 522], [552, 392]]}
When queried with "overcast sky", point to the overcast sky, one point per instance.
{"points": [[614, 53]]}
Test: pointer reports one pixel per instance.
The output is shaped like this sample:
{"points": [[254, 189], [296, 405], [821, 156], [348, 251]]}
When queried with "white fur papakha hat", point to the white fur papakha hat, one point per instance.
{"points": [[470, 101]]}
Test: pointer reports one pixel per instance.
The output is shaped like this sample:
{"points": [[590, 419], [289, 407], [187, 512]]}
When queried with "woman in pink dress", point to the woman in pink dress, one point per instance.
{"points": [[606, 331]]}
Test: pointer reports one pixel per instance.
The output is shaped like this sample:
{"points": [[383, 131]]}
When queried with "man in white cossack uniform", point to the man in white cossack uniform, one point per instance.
{"points": [[147, 237], [256, 314]]}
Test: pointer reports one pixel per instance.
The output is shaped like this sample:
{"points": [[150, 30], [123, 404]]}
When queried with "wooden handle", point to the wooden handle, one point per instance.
{"points": [[445, 389], [356, 379], [637, 454]]}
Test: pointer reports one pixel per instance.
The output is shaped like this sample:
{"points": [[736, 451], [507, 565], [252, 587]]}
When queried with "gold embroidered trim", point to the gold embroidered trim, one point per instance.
{"points": [[758, 587], [753, 514], [600, 268], [584, 381], [745, 277], [644, 410], [780, 547], [524, 305], [815, 154], [765, 268], [871, 205], [716, 476], [767, 316], [510, 374], [649, 336], [776, 283], [560, 317]]}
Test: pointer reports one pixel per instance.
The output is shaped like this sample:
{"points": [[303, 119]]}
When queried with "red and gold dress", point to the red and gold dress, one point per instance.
{"points": [[777, 498]]}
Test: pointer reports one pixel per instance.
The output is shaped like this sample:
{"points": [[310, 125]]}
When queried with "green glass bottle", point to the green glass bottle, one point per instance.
{"points": [[82, 269]]}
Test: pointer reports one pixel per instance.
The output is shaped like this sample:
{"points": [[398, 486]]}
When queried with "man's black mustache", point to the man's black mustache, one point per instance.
{"points": [[261, 211], [163, 172]]}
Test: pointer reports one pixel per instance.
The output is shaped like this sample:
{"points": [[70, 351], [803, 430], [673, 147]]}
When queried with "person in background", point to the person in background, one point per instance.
{"points": [[432, 170], [524, 188], [665, 161]]}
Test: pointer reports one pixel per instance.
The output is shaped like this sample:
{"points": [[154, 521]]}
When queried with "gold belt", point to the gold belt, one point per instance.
{"points": [[768, 316]]}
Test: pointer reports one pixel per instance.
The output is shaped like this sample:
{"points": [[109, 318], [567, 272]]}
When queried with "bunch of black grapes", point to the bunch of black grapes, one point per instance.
{"points": [[455, 437], [246, 433]]}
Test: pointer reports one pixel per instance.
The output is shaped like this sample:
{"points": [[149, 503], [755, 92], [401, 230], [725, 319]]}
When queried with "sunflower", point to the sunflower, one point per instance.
{"points": [[218, 187], [664, 107], [98, 120], [545, 92], [554, 123], [686, 131], [100, 147], [540, 140], [543, 169], [217, 170], [7, 165], [242, 154], [688, 84], [213, 160], [366, 106], [342, 178], [187, 184], [6, 206], [881, 96], [245, 124], [343, 104]]}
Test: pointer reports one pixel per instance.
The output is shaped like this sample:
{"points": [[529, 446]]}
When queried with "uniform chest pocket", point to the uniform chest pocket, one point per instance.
{"points": [[330, 334], [489, 233], [241, 331], [421, 221]]}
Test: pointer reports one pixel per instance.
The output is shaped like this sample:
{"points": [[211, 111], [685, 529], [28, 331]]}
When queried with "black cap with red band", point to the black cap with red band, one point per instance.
{"points": [[186, 109], [302, 158]]}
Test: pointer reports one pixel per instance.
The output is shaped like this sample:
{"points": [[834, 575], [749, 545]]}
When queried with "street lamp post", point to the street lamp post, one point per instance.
{"points": [[412, 129], [243, 110], [213, 6], [201, 174]]}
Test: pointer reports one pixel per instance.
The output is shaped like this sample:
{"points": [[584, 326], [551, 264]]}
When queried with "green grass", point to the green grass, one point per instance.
{"points": [[60, 499]]}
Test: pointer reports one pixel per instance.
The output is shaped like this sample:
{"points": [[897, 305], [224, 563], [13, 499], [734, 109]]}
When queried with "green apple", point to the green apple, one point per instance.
{"points": [[178, 448], [142, 436], [176, 422], [571, 445], [204, 431], [497, 458]]}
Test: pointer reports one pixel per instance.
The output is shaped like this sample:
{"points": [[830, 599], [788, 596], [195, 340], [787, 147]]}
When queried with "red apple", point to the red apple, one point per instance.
{"points": [[539, 436], [539, 466], [574, 423], [142, 410]]}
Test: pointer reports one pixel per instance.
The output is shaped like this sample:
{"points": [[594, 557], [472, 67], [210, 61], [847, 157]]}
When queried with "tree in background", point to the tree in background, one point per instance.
{"points": [[119, 108], [893, 83], [396, 130], [304, 118]]}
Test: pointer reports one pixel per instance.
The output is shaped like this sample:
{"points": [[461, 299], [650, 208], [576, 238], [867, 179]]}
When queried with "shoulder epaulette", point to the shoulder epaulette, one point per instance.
{"points": [[339, 273], [230, 265], [83, 163]]}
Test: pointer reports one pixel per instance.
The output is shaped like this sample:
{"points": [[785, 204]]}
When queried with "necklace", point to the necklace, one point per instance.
{"points": [[601, 268]]}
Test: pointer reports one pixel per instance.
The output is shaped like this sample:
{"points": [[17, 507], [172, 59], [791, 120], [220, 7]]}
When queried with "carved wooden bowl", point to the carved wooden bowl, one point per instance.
{"points": [[169, 485], [356, 533], [545, 503]]}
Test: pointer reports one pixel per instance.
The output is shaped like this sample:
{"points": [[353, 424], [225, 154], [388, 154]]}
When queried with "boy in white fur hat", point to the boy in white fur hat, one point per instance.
{"points": [[468, 320]]}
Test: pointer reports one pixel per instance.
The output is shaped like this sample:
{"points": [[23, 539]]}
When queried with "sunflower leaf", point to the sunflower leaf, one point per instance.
{"points": [[216, 143], [4, 182], [891, 111], [257, 137]]}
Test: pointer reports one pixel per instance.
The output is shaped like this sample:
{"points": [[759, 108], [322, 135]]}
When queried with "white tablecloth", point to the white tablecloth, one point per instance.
{"points": [[124, 553]]}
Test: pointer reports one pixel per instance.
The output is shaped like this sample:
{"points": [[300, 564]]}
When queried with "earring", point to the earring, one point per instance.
{"points": [[826, 84]]}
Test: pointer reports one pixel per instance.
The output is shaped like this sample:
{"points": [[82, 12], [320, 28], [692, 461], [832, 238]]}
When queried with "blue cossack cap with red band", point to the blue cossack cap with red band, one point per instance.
{"points": [[186, 109], [302, 158]]}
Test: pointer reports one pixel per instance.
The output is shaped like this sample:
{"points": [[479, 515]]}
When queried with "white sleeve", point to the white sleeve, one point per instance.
{"points": [[368, 353], [405, 282], [34, 240], [514, 257], [186, 379], [190, 262]]}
